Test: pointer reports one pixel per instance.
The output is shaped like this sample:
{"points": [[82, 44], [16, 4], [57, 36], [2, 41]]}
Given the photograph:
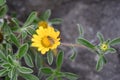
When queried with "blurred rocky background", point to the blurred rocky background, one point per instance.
{"points": [[94, 16]]}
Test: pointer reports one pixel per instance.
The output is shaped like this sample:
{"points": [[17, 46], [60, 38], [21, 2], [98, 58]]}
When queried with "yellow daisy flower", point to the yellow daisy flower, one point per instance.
{"points": [[46, 39], [44, 24]]}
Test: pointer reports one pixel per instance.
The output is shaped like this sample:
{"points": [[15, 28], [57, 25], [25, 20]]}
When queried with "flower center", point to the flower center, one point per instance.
{"points": [[104, 47], [47, 41], [44, 24]]}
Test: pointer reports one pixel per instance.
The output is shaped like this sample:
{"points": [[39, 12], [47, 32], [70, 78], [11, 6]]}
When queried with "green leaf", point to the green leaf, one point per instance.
{"points": [[100, 37], [81, 31], [2, 23], [60, 59], [1, 62], [29, 77], [14, 40], [46, 15], [112, 50], [15, 77], [107, 41], [115, 41], [30, 19], [50, 77], [86, 43], [11, 73], [101, 61], [47, 70], [40, 74], [104, 60], [71, 76], [22, 50], [56, 21], [3, 72], [74, 54], [38, 60], [50, 57], [16, 22], [31, 29], [8, 49], [10, 60], [2, 2], [6, 29], [28, 60], [1, 37], [6, 65], [3, 11], [2, 56], [7, 78], [25, 70], [24, 34]]}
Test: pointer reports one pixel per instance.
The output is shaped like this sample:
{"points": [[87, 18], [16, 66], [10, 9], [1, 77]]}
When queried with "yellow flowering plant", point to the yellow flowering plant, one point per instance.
{"points": [[28, 50], [46, 39]]}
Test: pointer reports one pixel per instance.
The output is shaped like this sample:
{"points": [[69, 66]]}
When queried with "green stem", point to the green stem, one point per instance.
{"points": [[72, 45]]}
